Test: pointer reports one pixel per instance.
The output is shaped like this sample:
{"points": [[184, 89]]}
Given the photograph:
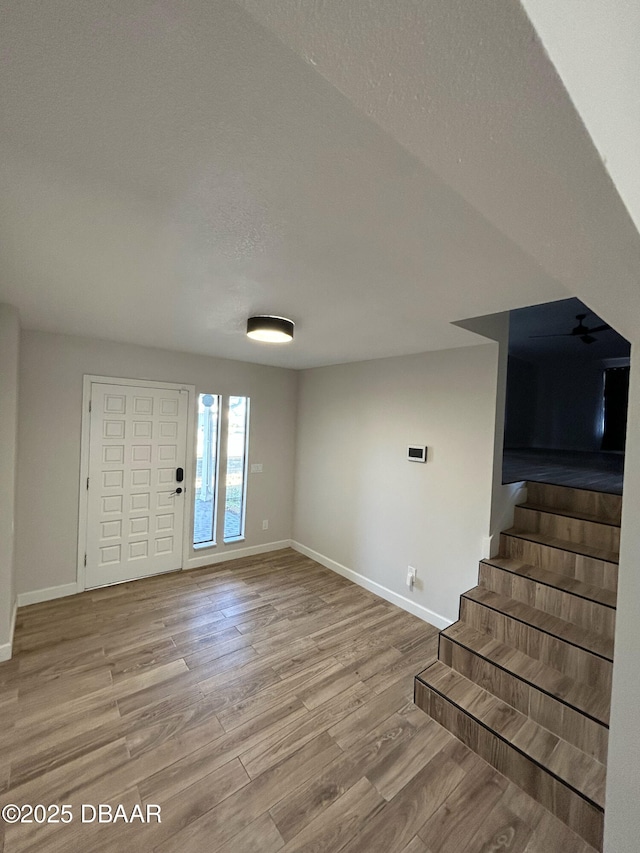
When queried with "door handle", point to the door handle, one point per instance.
{"points": [[178, 491]]}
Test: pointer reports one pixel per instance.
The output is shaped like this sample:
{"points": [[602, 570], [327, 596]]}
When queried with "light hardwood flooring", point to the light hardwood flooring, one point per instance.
{"points": [[265, 705]]}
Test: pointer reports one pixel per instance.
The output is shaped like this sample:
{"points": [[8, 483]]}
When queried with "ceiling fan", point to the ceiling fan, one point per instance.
{"points": [[580, 331]]}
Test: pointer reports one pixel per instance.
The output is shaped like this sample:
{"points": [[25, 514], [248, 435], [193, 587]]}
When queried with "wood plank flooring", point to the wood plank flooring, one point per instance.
{"points": [[265, 705], [603, 472]]}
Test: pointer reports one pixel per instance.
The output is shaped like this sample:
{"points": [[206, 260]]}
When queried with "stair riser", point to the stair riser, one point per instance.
{"points": [[568, 723], [604, 506], [571, 660], [587, 569], [585, 819], [571, 529], [572, 608]]}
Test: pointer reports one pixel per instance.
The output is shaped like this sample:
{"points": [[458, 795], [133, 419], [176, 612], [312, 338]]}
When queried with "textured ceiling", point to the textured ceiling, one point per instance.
{"points": [[594, 46], [374, 170]]}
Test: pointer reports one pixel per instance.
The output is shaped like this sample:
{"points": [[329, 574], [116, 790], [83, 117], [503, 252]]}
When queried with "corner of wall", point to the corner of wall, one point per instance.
{"points": [[506, 496], [6, 649], [9, 369], [440, 622]]}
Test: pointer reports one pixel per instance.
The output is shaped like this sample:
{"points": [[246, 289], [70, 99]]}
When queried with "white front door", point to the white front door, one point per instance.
{"points": [[135, 516]]}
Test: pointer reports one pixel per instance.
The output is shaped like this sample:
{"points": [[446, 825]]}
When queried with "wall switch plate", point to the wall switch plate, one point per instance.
{"points": [[256, 467]]}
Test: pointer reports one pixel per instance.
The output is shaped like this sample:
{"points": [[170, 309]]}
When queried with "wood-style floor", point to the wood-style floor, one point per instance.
{"points": [[265, 705], [600, 472]]}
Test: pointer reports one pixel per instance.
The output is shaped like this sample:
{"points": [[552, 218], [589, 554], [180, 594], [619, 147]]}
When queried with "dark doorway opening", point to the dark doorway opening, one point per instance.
{"points": [[616, 401], [566, 399]]}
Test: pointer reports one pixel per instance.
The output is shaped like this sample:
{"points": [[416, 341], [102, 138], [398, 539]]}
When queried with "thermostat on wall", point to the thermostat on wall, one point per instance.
{"points": [[417, 453]]}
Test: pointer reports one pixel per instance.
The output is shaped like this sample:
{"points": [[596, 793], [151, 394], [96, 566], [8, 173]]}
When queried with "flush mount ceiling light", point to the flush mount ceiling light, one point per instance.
{"points": [[272, 330]]}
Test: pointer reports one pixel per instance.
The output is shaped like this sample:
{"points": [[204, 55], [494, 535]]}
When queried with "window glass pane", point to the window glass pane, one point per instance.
{"points": [[206, 469], [236, 463]]}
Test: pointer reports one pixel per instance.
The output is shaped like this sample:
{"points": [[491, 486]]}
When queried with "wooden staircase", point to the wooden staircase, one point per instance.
{"points": [[524, 677]]}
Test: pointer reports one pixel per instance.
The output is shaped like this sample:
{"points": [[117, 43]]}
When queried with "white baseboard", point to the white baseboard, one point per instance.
{"points": [[6, 649], [47, 594], [488, 545], [209, 559], [212, 557], [399, 600]]}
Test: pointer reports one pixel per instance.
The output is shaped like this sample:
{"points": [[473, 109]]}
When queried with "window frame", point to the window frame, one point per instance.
{"points": [[245, 465], [208, 543], [220, 477]]}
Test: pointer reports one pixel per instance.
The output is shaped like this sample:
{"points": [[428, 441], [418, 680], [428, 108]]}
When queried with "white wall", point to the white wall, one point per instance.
{"points": [[361, 505], [504, 497], [622, 817], [594, 46], [9, 358], [51, 371]]}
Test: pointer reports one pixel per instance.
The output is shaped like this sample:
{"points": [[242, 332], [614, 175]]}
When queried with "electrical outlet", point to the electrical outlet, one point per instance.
{"points": [[411, 576], [265, 524]]}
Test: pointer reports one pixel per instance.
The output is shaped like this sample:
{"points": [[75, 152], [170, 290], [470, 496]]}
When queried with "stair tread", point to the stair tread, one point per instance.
{"points": [[563, 630], [583, 697], [566, 762], [565, 583], [569, 513], [564, 544]]}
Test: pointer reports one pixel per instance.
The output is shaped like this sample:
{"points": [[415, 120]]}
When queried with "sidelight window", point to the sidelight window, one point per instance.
{"points": [[207, 452], [235, 484], [209, 485]]}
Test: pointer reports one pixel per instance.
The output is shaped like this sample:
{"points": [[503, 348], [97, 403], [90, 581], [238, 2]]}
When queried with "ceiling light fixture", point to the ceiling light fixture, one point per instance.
{"points": [[272, 330]]}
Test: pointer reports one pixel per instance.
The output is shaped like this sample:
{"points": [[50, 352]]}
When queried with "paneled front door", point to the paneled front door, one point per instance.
{"points": [[135, 509]]}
